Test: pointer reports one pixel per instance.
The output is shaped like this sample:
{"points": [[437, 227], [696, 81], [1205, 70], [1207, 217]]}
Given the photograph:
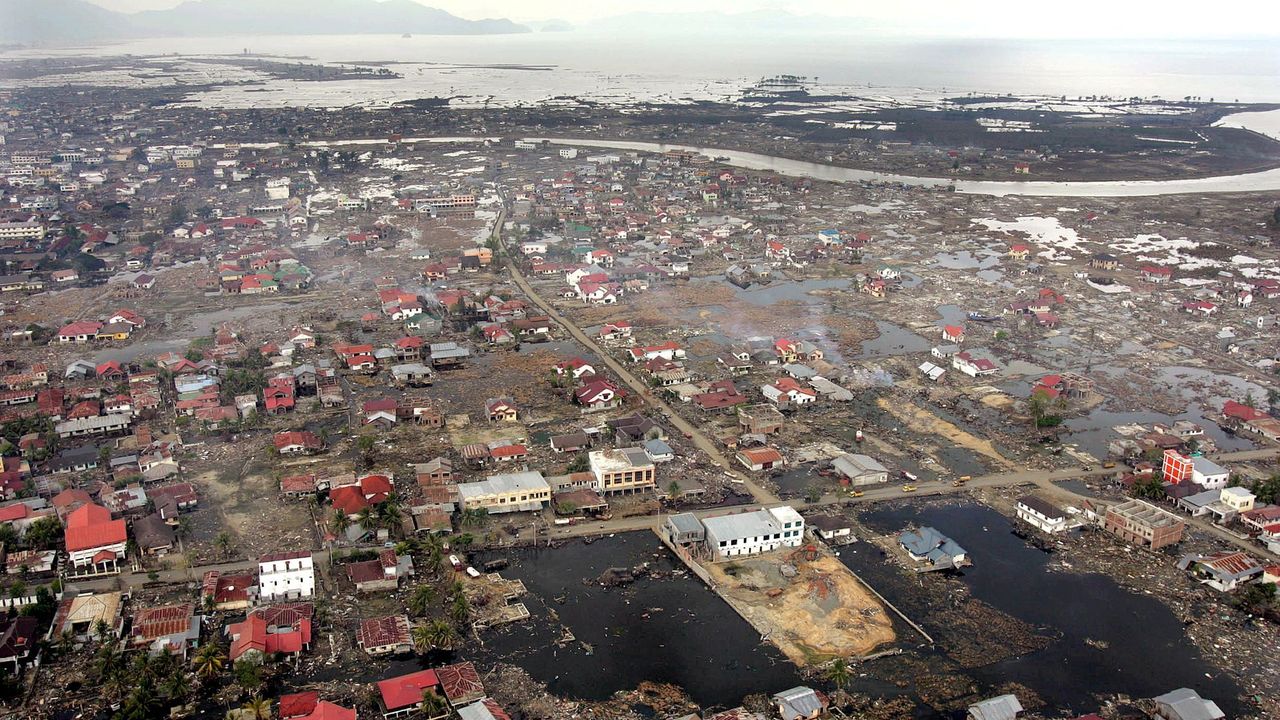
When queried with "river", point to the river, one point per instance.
{"points": [[1265, 181]]}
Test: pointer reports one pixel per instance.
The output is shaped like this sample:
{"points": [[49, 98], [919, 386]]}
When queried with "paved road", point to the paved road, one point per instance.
{"points": [[1044, 479], [704, 443]]}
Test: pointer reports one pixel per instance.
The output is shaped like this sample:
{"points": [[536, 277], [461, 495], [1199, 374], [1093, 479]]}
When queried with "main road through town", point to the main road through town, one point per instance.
{"points": [[699, 438]]}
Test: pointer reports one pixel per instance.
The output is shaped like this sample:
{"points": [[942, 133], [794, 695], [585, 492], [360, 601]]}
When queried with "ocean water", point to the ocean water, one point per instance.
{"points": [[540, 67]]}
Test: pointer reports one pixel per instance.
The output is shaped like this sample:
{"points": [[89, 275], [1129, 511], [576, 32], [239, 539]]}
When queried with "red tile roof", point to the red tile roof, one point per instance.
{"points": [[460, 682], [326, 710], [406, 690], [90, 526], [297, 704], [151, 624], [379, 632]]}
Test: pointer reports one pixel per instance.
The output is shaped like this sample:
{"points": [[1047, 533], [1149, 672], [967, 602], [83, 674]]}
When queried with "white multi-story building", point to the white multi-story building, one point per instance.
{"points": [[29, 229], [753, 532], [569, 153], [526, 145], [286, 576], [1042, 514]]}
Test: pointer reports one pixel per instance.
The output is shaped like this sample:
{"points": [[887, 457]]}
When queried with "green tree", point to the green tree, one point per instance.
{"points": [[813, 494], [421, 600], [432, 705], [248, 676], [44, 533], [224, 543], [673, 491], [258, 708], [460, 610], [435, 634], [1151, 488], [208, 661], [839, 673], [475, 517]]}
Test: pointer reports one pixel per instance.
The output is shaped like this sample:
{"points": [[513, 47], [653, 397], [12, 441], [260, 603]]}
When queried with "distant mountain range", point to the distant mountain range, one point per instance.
{"points": [[53, 21]]}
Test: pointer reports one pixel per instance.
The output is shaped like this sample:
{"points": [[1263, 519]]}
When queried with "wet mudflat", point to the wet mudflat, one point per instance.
{"points": [[1104, 638]]}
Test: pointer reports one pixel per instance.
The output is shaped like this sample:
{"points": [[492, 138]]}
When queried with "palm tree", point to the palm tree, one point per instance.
{"points": [[366, 519], [421, 600], [436, 634], [839, 672], [258, 708], [208, 661], [177, 687], [475, 517], [224, 543], [432, 706], [339, 522], [461, 609]]}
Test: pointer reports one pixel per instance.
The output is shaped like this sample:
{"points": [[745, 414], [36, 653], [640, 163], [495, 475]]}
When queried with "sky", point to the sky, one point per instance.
{"points": [[1079, 18]]}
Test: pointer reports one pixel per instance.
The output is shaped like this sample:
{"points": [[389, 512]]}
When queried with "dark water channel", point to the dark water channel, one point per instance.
{"points": [[1138, 646]]}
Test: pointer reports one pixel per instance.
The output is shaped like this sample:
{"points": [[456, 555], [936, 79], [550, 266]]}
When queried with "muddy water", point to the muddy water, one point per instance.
{"points": [[1094, 431], [1138, 645], [893, 340]]}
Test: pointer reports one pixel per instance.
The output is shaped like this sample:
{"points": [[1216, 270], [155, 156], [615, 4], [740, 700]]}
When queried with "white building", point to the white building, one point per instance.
{"points": [[752, 533], [526, 145], [286, 576], [861, 469], [1042, 514], [568, 153], [1208, 474]]}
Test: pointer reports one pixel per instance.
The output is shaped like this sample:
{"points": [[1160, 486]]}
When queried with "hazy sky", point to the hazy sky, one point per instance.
{"points": [[1103, 18]]}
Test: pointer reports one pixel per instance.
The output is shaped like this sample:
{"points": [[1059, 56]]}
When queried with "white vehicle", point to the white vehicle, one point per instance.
{"points": [[473, 572], [455, 562]]}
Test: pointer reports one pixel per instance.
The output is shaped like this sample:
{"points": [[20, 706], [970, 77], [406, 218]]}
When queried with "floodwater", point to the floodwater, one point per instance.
{"points": [[785, 290], [893, 340], [1093, 432], [655, 629], [965, 260], [1146, 650]]}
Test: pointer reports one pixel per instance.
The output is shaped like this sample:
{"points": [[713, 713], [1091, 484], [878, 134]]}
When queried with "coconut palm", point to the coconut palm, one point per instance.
{"points": [[208, 661], [432, 705], [460, 611], [839, 672], [423, 597], [475, 517], [258, 708], [177, 687], [339, 522], [436, 634]]}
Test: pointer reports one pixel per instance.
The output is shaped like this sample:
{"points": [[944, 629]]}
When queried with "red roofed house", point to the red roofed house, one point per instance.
{"points": [[297, 441], [763, 458], [172, 627], [460, 683], [79, 332], [953, 333], [284, 629], [1156, 274], [227, 592], [95, 542], [1241, 412], [385, 635], [400, 696], [297, 705], [325, 710], [598, 395]]}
